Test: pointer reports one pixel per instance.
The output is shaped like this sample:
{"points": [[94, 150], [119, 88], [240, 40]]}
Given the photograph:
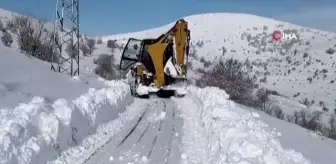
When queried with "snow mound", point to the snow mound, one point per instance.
{"points": [[217, 131], [38, 131]]}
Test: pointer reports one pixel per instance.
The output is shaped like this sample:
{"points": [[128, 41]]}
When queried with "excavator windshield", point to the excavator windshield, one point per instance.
{"points": [[131, 53]]}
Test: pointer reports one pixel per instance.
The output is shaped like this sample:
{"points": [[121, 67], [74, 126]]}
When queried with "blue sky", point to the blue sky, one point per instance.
{"points": [[104, 17]]}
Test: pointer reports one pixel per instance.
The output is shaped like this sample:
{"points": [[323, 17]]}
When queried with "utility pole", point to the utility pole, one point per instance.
{"points": [[66, 32]]}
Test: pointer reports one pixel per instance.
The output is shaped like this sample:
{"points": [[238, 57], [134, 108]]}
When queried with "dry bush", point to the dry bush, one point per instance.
{"points": [[106, 67], [229, 75], [332, 123], [330, 51], [91, 45], [7, 39], [87, 46], [112, 44], [277, 112], [262, 98], [32, 37], [85, 49], [2, 27], [10, 26], [308, 120]]}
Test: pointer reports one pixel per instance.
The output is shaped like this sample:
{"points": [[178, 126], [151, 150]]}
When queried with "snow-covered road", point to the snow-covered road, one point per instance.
{"points": [[151, 137], [204, 127]]}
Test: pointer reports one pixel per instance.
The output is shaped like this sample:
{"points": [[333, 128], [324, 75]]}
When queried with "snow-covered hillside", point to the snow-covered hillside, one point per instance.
{"points": [[297, 69], [47, 117]]}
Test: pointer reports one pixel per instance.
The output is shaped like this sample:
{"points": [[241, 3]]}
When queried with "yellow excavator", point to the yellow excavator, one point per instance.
{"points": [[158, 65]]}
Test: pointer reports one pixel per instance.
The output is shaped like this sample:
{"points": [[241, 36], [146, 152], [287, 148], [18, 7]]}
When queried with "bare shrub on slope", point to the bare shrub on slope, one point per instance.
{"points": [[7, 39], [112, 44], [2, 27], [91, 45], [85, 49], [230, 76], [262, 98], [332, 123], [105, 66], [330, 51], [32, 37]]}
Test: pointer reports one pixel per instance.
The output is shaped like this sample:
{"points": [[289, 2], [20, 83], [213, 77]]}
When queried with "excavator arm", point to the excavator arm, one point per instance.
{"points": [[179, 34]]}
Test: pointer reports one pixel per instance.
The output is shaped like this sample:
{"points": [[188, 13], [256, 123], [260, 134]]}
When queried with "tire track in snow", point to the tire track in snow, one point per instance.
{"points": [[158, 132], [111, 139], [134, 127], [152, 148], [170, 139], [161, 121], [143, 133], [149, 139], [133, 139], [174, 153]]}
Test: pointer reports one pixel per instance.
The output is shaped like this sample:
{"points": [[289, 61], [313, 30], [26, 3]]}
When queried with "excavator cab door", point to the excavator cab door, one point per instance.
{"points": [[131, 53]]}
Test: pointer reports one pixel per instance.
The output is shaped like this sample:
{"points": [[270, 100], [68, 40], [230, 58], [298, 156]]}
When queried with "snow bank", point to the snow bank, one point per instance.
{"points": [[39, 131], [217, 131], [96, 142]]}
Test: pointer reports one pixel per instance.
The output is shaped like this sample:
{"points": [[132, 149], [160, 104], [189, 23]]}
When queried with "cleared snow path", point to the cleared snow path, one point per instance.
{"points": [[152, 136], [202, 128]]}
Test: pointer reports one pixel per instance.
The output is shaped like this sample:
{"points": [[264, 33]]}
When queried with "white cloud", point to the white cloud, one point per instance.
{"points": [[322, 18]]}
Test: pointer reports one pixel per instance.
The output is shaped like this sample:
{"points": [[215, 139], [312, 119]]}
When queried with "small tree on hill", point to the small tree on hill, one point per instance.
{"points": [[85, 49], [262, 97], [112, 44]]}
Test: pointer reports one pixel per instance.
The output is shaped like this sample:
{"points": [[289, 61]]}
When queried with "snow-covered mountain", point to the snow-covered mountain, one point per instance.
{"points": [[299, 69], [47, 116]]}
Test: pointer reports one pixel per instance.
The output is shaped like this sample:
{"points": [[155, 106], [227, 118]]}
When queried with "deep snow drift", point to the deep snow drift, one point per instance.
{"points": [[215, 130]]}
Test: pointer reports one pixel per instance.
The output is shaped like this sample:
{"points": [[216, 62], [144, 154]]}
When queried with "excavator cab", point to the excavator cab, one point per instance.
{"points": [[158, 65], [131, 53]]}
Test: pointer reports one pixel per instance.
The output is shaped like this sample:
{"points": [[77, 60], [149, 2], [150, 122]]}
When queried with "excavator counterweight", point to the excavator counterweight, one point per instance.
{"points": [[158, 65]]}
